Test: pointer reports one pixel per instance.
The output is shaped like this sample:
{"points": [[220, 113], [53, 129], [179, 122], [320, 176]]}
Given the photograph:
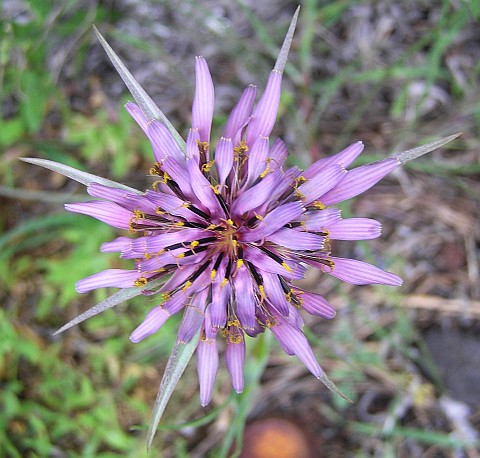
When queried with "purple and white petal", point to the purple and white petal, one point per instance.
{"points": [[320, 183], [343, 158], [274, 292], [192, 145], [107, 212], [294, 342], [110, 278], [154, 320], [318, 220], [193, 317], [119, 244], [265, 113], [360, 273], [278, 154], [315, 304], [359, 180], [355, 229], [207, 367], [224, 158], [297, 240], [235, 359], [240, 114], [203, 102], [256, 195], [244, 297], [273, 221], [163, 144]]}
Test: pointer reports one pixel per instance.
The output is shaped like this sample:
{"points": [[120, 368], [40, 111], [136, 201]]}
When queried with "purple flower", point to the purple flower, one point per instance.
{"points": [[227, 227]]}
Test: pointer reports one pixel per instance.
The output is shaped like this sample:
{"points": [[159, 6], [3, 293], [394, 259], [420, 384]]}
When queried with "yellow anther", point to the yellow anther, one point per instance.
{"points": [[318, 205], [215, 189], [234, 244], [187, 285], [239, 263], [202, 146], [194, 244], [300, 180], [262, 293], [287, 267], [159, 211], [259, 217], [180, 256], [233, 323], [235, 338], [179, 224], [206, 167], [213, 274], [230, 222], [211, 227], [300, 195], [224, 282], [142, 281], [147, 256], [138, 214]]}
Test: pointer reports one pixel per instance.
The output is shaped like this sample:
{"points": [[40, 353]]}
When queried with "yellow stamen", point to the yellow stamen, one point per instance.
{"points": [[187, 285], [194, 244], [240, 263], [224, 282], [213, 274], [287, 267]]}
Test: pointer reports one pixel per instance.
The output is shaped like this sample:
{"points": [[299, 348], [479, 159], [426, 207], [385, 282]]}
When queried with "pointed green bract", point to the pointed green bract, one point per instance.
{"points": [[145, 102], [77, 175], [413, 153], [287, 42], [178, 361]]}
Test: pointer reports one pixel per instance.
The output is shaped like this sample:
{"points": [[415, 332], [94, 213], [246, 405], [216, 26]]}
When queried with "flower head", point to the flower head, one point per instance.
{"points": [[228, 228]]}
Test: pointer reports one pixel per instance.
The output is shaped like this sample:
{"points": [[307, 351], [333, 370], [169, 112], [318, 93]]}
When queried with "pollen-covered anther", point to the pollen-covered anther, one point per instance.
{"points": [[141, 281], [287, 267], [187, 285], [318, 205], [235, 338], [207, 166]]}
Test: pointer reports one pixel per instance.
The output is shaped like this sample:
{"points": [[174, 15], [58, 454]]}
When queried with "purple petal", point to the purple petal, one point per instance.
{"points": [[154, 320], [359, 272], [294, 342], [273, 221], [203, 102], [115, 278], [235, 359], [207, 366], [224, 158], [240, 114], [123, 198], [355, 229], [265, 113], [257, 159], [203, 190], [296, 240], [163, 143], [257, 195], [359, 180], [218, 307], [193, 317], [320, 183], [244, 297], [343, 158], [107, 212], [278, 153], [315, 304], [119, 244], [274, 292], [319, 219], [293, 270], [136, 113], [192, 145]]}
